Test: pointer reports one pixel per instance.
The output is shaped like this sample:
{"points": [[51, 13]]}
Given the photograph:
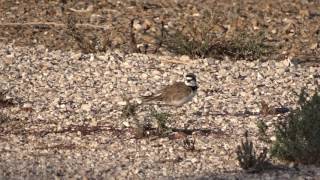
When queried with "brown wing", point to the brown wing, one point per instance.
{"points": [[175, 91]]}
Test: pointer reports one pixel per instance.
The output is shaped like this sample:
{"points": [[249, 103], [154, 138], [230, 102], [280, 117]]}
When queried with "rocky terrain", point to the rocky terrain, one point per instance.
{"points": [[68, 122], [65, 116]]}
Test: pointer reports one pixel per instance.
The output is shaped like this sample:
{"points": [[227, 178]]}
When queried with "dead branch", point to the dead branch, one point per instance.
{"points": [[48, 24], [133, 42], [159, 44]]}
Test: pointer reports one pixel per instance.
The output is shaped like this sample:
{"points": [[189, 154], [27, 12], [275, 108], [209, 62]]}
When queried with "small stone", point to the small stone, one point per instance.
{"points": [[260, 77], [144, 76], [137, 25], [91, 57], [79, 133], [76, 56], [292, 164], [126, 124], [86, 107], [27, 105], [196, 15], [93, 122], [314, 46], [122, 103], [194, 160], [139, 101], [184, 58]]}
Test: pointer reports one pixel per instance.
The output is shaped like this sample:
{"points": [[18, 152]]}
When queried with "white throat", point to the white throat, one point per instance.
{"points": [[192, 83]]}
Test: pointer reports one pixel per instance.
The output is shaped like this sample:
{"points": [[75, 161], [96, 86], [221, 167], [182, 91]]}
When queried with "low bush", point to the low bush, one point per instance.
{"points": [[298, 138]]}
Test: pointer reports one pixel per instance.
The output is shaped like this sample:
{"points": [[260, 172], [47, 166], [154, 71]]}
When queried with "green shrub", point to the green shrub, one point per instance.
{"points": [[161, 121], [262, 131], [241, 46], [298, 138], [201, 38]]}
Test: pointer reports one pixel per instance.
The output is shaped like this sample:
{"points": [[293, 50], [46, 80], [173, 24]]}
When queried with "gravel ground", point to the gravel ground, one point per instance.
{"points": [[68, 122], [67, 119]]}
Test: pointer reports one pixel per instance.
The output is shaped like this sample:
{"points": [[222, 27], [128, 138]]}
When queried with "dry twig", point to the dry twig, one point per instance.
{"points": [[48, 24]]}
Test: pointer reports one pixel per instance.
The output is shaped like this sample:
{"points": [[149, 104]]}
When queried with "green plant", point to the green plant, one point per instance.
{"points": [[4, 118], [262, 130], [241, 46], [262, 126], [246, 46], [200, 38], [129, 110], [197, 40], [297, 138], [247, 157], [161, 119]]}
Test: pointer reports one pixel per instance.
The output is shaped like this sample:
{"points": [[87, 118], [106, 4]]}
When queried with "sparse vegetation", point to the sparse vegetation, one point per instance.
{"points": [[71, 120], [87, 44], [242, 46], [142, 129], [3, 101], [297, 138], [262, 131], [246, 46], [247, 157], [161, 119], [129, 110], [3, 118], [199, 39]]}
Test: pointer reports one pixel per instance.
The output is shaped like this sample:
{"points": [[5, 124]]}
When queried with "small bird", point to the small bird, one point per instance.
{"points": [[176, 94]]}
